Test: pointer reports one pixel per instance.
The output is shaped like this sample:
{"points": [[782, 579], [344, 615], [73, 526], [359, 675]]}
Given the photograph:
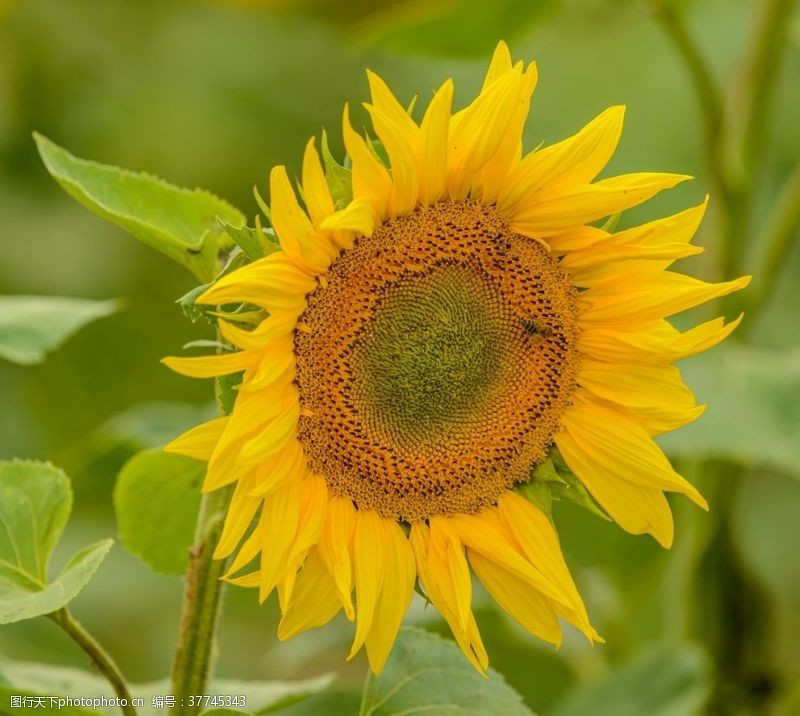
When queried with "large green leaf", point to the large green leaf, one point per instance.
{"points": [[180, 223], [156, 499], [753, 414], [30, 326], [35, 502], [261, 697], [426, 673], [670, 681], [463, 27]]}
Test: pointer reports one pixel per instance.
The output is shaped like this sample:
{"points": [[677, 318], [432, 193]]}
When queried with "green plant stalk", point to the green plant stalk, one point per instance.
{"points": [[778, 236], [202, 596], [757, 78], [201, 606], [705, 88], [101, 660], [750, 104]]}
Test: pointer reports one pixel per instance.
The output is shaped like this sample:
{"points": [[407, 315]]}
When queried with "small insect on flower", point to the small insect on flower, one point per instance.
{"points": [[429, 343]]}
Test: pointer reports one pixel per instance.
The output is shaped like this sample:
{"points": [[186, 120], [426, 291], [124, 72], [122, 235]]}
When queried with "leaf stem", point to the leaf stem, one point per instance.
{"points": [[101, 660]]}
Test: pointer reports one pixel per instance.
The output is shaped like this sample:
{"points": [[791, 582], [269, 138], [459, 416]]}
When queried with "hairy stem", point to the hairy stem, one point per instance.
{"points": [[191, 668], [202, 596], [101, 660]]}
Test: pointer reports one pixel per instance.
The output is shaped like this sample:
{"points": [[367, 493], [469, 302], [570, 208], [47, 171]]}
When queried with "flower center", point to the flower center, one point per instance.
{"points": [[440, 357]]}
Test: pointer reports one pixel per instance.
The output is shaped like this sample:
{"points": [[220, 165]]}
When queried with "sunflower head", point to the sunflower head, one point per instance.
{"points": [[426, 345]]}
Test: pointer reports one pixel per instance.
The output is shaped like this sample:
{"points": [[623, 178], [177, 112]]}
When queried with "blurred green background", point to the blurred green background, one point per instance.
{"points": [[213, 95]]}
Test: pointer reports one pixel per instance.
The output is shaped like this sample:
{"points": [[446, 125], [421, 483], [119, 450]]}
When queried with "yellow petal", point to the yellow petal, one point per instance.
{"points": [[576, 239], [384, 100], [241, 510], [432, 146], [371, 180], [500, 64], [448, 569], [357, 217], [307, 248], [484, 537], [662, 240], [276, 360], [276, 529], [576, 160], [335, 547], [211, 366], [477, 132], [636, 509], [528, 607], [289, 463], [398, 587], [702, 337], [316, 194], [562, 207], [639, 298], [314, 602], [273, 437], [278, 324], [368, 566], [493, 178], [274, 283], [254, 414], [470, 642], [637, 385], [619, 447], [199, 442], [313, 502], [399, 146], [539, 542]]}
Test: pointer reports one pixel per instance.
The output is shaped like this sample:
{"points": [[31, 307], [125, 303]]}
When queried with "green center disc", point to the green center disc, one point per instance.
{"points": [[430, 355]]}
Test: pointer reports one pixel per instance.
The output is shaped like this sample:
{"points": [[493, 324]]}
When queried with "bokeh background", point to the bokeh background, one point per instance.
{"points": [[213, 94]]}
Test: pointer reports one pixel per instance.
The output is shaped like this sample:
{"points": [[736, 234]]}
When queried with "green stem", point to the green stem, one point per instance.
{"points": [[750, 101], [101, 660], [712, 115], [778, 237], [202, 596], [759, 72], [201, 606], [704, 86]]}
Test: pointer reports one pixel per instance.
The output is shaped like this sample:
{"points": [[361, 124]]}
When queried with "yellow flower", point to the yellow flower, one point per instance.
{"points": [[425, 346]]}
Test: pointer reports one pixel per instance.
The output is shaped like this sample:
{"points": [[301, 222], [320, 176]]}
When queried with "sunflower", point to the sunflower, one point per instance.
{"points": [[425, 343]]}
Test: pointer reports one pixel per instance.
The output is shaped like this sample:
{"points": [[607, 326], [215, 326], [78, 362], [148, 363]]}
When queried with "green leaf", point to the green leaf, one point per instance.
{"points": [[180, 223], [552, 480], [18, 603], [156, 499], [30, 326], [426, 673], [339, 179], [462, 27], [149, 424], [753, 412], [35, 502], [670, 681], [261, 697], [254, 242]]}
